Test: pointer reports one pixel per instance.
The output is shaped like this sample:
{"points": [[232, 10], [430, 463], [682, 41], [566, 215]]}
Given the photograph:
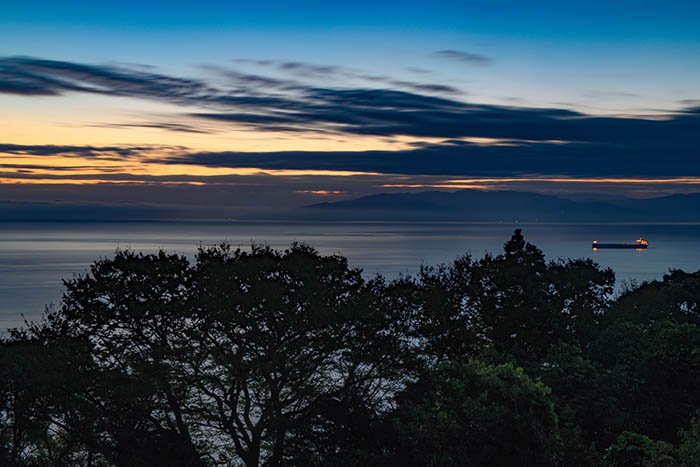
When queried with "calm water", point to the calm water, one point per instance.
{"points": [[35, 257]]}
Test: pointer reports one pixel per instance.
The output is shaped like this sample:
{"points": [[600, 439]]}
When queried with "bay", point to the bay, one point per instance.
{"points": [[35, 257]]}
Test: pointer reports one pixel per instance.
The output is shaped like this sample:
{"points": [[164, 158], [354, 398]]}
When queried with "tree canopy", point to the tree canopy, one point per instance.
{"points": [[259, 357]]}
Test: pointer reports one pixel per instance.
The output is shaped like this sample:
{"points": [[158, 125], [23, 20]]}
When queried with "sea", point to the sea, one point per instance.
{"points": [[36, 257]]}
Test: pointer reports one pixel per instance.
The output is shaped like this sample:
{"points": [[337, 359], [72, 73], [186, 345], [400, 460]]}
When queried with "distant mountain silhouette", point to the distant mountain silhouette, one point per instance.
{"points": [[506, 206]]}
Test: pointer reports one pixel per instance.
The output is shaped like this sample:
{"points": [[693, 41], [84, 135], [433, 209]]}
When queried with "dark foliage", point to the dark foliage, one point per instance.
{"points": [[473, 414], [275, 358]]}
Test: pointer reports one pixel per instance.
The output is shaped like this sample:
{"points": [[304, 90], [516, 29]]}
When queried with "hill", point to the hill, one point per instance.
{"points": [[506, 206]]}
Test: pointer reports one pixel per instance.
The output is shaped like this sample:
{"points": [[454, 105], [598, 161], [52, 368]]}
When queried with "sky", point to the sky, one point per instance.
{"points": [[251, 108]]}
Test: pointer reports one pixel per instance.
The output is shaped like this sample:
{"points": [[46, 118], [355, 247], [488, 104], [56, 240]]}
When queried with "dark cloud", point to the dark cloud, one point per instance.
{"points": [[610, 94], [589, 144], [51, 77], [532, 141], [463, 159], [390, 113], [258, 100], [30, 168], [464, 57], [295, 67], [422, 87], [310, 70], [26, 75], [246, 80], [225, 196], [539, 141], [307, 68], [266, 195], [418, 70], [168, 126], [94, 152]]}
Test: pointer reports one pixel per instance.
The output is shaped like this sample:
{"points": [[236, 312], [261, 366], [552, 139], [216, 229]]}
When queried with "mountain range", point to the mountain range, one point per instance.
{"points": [[505, 206]]}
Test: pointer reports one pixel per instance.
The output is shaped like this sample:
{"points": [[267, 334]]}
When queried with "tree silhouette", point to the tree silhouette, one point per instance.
{"points": [[471, 414], [262, 357]]}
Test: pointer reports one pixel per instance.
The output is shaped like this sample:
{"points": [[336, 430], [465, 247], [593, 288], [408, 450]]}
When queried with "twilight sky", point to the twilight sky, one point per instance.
{"points": [[224, 108]]}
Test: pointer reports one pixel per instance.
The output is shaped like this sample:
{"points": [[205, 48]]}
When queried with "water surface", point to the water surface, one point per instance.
{"points": [[34, 258]]}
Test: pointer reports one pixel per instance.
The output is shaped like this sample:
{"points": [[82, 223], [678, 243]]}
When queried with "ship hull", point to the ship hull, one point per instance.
{"points": [[619, 246]]}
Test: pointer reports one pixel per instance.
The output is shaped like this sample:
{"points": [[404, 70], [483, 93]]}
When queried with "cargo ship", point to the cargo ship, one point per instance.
{"points": [[640, 244]]}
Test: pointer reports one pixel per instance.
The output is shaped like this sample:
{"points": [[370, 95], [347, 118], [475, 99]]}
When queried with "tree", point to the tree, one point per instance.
{"points": [[688, 451], [268, 358], [472, 414], [25, 434], [221, 362], [653, 374], [588, 412], [445, 323], [525, 305], [516, 304], [120, 331], [635, 450], [284, 334], [675, 298]]}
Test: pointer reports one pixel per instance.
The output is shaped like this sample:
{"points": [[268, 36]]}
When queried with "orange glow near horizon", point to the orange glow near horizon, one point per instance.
{"points": [[680, 180], [487, 183], [84, 127], [321, 192], [68, 167], [89, 181], [89, 121]]}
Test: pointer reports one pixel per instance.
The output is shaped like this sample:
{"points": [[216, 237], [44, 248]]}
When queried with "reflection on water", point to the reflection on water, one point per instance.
{"points": [[35, 257]]}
